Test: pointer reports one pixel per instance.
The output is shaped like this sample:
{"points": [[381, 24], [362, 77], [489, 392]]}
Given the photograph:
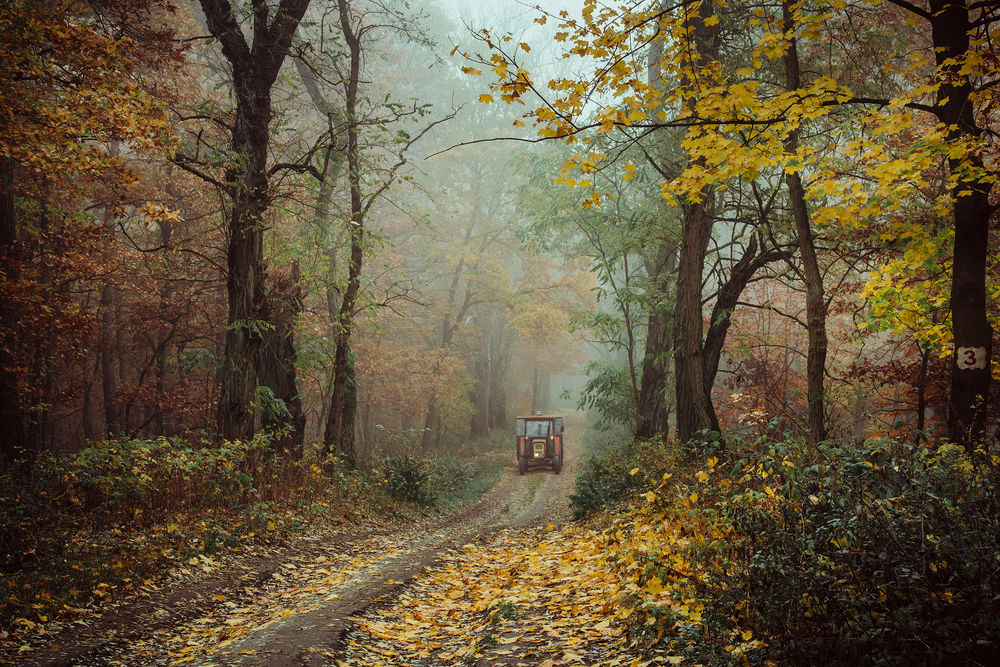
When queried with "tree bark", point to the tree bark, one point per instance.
{"points": [[276, 369], [815, 297], [921, 407], [162, 347], [694, 411], [255, 69], [501, 365], [87, 417], [652, 406], [113, 422], [432, 422], [12, 419], [109, 384], [754, 258], [971, 361], [339, 433]]}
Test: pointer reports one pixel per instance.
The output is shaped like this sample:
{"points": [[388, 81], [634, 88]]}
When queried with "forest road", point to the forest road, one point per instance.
{"points": [[319, 595]]}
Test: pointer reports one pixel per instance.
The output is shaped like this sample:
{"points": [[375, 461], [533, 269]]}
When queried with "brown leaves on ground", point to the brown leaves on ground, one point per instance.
{"points": [[536, 597], [297, 585]]}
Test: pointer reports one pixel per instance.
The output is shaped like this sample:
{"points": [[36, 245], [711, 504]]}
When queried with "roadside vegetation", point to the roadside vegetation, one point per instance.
{"points": [[880, 552], [104, 521]]}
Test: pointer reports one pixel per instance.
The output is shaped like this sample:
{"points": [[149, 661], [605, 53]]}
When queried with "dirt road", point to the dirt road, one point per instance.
{"points": [[298, 610]]}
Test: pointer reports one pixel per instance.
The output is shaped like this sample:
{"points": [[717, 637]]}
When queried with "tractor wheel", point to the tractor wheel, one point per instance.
{"points": [[557, 464], [521, 465]]}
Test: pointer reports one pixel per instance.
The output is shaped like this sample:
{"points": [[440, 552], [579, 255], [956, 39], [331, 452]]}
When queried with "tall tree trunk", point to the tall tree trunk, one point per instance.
{"points": [[12, 419], [694, 410], [815, 297], [755, 256], [162, 347], [492, 364], [503, 350], [255, 69], [652, 406], [87, 410], [276, 369], [480, 396], [498, 407], [694, 407], [431, 436], [432, 422], [109, 383], [113, 423], [921, 407], [970, 370], [339, 434]]}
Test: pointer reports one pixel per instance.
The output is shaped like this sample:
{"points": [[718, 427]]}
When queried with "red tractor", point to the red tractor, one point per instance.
{"points": [[539, 442]]}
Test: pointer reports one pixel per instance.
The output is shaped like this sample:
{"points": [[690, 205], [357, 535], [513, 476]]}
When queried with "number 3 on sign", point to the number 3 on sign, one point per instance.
{"points": [[970, 358]]}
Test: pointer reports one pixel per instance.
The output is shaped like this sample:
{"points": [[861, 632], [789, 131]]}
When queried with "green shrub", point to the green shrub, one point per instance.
{"points": [[888, 553], [883, 553], [119, 509], [454, 475], [617, 468], [411, 478]]}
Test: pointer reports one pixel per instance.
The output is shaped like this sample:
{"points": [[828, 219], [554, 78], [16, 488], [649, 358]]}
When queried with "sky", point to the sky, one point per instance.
{"points": [[516, 17]]}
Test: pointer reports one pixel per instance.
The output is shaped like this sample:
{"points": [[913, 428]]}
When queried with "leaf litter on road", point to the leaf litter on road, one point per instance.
{"points": [[529, 597], [295, 586]]}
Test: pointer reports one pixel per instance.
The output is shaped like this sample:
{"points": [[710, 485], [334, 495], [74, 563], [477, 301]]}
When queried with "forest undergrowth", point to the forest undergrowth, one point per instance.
{"points": [[883, 552], [99, 523]]}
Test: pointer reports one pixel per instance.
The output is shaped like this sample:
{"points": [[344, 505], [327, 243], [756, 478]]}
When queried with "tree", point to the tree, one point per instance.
{"points": [[255, 68], [365, 187], [952, 25], [742, 120], [74, 84]]}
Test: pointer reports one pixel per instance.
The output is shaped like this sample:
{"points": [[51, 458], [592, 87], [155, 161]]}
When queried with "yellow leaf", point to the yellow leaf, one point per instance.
{"points": [[694, 497], [633, 471], [747, 635], [525, 46], [485, 99], [271, 526], [472, 71]]}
